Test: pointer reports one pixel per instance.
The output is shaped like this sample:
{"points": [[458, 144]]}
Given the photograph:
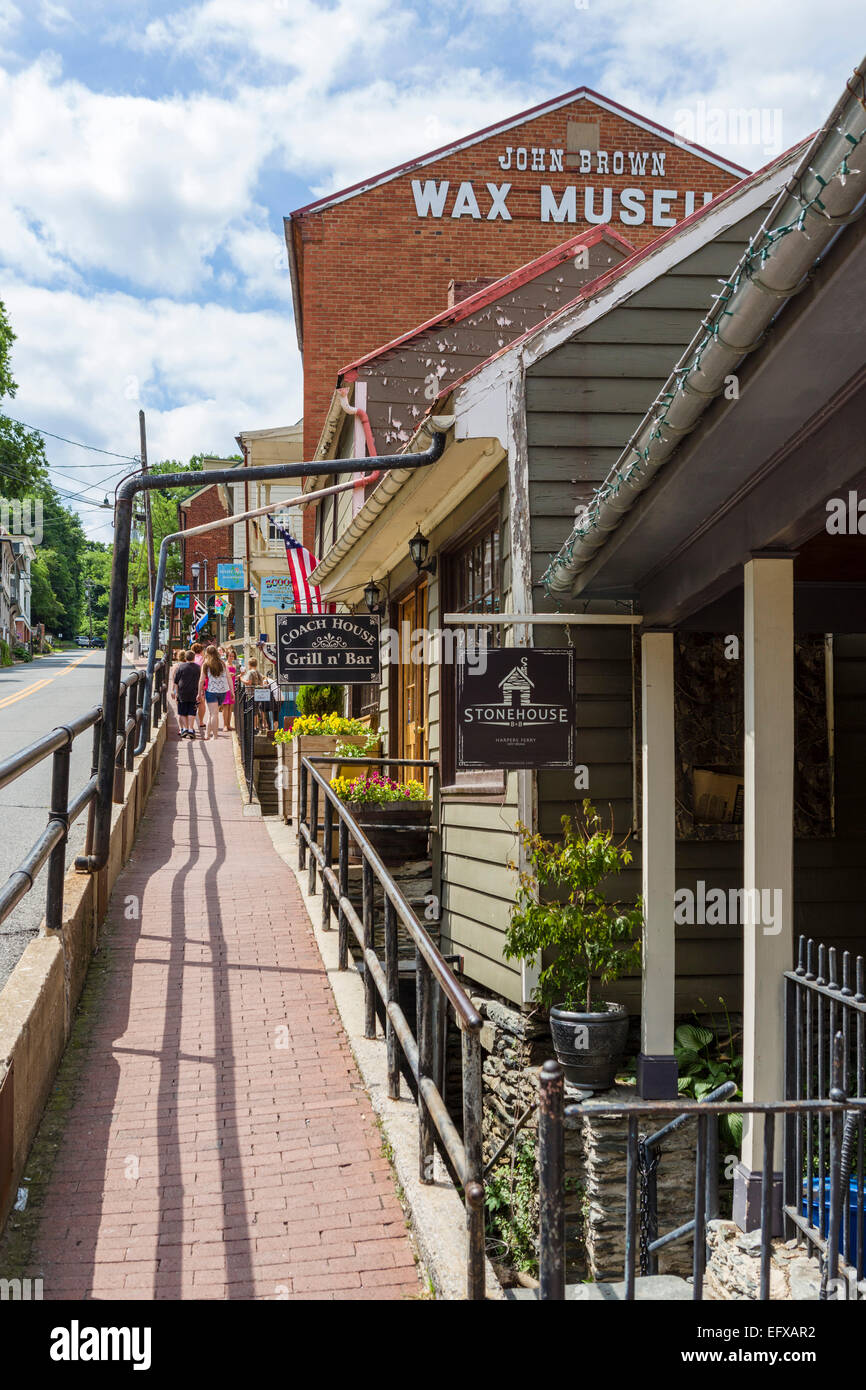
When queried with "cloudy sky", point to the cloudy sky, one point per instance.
{"points": [[148, 153]]}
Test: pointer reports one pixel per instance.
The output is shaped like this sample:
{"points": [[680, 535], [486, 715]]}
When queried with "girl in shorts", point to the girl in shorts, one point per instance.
{"points": [[213, 685]]}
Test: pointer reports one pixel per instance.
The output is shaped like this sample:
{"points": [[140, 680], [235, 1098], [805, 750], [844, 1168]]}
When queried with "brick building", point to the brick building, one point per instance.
{"points": [[207, 551], [374, 260]]}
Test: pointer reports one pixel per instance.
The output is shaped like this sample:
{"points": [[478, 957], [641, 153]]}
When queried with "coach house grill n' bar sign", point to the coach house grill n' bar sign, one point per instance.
{"points": [[327, 648], [516, 709]]}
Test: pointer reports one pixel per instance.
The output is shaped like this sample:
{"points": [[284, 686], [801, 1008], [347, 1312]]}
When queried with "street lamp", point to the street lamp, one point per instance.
{"points": [[372, 596], [419, 547]]}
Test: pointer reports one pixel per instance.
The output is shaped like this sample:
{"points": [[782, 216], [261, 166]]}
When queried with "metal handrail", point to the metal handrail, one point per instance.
{"points": [[434, 983], [836, 1107], [648, 1162], [50, 845]]}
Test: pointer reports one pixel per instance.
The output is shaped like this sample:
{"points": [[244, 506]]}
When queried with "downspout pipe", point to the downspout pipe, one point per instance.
{"points": [[806, 217], [231, 520], [361, 414], [126, 494]]}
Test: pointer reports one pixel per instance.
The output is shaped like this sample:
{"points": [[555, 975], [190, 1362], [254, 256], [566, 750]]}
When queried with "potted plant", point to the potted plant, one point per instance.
{"points": [[585, 941], [316, 735], [395, 816]]}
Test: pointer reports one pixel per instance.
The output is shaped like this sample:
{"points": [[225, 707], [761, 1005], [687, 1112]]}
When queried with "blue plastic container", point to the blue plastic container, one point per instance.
{"points": [[815, 1216]]}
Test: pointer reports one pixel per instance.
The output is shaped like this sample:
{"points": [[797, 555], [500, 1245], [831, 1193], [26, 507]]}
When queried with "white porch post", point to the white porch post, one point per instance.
{"points": [[656, 1066], [768, 857]]}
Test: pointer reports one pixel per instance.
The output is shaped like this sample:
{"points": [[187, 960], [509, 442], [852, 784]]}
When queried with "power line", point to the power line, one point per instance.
{"points": [[130, 458]]}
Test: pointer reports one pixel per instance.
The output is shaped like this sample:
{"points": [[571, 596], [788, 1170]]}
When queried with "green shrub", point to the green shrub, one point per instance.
{"points": [[22, 653], [5, 657], [593, 937], [320, 699], [511, 1210]]}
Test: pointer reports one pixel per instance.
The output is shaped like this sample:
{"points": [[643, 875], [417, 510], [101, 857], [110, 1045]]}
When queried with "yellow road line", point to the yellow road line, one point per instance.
{"points": [[10, 699], [38, 685], [71, 667]]}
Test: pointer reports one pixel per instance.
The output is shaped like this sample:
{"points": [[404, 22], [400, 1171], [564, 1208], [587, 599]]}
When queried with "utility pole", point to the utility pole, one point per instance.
{"points": [[89, 591], [151, 567]]}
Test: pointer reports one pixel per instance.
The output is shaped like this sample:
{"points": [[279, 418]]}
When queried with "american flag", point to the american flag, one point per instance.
{"points": [[308, 597]]}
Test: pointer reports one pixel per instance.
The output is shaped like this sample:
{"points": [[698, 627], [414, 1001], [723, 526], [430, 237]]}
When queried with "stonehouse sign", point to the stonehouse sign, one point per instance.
{"points": [[649, 199], [327, 648], [517, 710]]}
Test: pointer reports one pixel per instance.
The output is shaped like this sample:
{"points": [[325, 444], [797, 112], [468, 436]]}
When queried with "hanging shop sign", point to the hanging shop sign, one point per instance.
{"points": [[277, 592], [181, 596], [230, 577], [326, 648], [516, 709]]}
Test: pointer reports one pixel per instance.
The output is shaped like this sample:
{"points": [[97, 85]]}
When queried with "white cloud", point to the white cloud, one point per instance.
{"points": [[138, 189], [10, 17], [201, 372], [55, 18]]}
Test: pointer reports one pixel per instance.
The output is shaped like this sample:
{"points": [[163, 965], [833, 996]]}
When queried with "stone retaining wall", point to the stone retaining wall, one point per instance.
{"points": [[515, 1046]]}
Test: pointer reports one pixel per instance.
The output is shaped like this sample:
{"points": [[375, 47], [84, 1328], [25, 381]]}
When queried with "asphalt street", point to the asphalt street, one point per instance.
{"points": [[34, 699]]}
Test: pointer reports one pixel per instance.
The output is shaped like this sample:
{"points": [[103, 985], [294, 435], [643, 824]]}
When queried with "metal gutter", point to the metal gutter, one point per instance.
{"points": [[378, 500], [126, 493], [824, 195]]}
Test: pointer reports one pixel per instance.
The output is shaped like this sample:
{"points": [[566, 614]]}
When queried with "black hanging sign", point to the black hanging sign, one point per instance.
{"points": [[327, 649], [516, 709]]}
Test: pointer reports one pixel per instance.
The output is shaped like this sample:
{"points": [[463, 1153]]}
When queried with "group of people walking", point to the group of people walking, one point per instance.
{"points": [[203, 684]]}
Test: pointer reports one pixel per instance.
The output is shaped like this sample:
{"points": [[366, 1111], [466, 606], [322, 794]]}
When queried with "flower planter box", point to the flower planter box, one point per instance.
{"points": [[285, 766], [399, 831], [315, 746]]}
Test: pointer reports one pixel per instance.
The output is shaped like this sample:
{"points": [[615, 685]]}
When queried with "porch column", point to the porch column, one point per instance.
{"points": [[768, 860], [656, 1066]]}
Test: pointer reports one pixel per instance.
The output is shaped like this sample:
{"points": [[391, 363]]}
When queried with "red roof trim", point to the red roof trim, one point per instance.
{"points": [[531, 113], [473, 302]]}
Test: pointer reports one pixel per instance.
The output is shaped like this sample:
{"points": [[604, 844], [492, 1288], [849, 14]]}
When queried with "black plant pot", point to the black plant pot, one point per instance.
{"points": [[590, 1047]]}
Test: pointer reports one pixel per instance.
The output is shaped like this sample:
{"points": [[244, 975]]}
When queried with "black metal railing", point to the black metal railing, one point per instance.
{"points": [[50, 846], [245, 714], [650, 1153], [823, 1002], [838, 1278], [437, 988]]}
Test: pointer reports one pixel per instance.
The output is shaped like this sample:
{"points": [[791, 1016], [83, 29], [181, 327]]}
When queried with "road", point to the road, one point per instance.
{"points": [[34, 699]]}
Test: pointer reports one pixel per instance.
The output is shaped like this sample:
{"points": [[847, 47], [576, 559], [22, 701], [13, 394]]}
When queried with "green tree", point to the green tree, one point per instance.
{"points": [[96, 571], [64, 541], [45, 606], [164, 521], [22, 453]]}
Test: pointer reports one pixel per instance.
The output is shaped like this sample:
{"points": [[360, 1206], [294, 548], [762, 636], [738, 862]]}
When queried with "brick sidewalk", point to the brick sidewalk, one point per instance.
{"points": [[221, 1144]]}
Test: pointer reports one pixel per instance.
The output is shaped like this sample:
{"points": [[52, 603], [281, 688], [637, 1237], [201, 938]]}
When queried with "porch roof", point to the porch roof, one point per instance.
{"points": [[757, 473]]}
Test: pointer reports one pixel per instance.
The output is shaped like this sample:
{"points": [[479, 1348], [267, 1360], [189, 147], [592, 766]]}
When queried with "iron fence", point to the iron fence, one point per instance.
{"points": [[50, 846], [823, 1003], [437, 989], [839, 1279]]}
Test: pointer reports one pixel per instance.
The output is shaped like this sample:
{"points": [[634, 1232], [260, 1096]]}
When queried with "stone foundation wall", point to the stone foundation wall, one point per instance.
{"points": [[514, 1047], [733, 1272]]}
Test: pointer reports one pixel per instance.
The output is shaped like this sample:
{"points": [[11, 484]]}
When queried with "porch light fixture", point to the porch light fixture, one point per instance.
{"points": [[419, 547], [372, 596]]}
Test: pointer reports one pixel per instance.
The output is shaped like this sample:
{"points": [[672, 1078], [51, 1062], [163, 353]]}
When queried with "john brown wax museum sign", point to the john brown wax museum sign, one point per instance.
{"points": [[327, 648], [518, 711]]}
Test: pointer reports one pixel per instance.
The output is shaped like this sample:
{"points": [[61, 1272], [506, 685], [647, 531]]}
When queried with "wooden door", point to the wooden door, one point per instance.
{"points": [[412, 683]]}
